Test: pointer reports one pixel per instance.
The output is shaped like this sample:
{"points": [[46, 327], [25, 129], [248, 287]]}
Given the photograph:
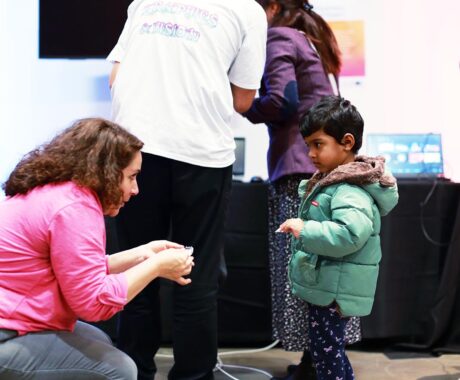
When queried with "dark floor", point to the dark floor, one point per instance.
{"points": [[255, 364]]}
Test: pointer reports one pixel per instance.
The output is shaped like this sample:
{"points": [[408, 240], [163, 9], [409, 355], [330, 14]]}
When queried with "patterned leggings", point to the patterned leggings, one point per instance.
{"points": [[327, 343]]}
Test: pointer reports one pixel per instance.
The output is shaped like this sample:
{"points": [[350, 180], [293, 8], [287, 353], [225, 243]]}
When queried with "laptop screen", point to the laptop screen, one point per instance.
{"points": [[409, 155]]}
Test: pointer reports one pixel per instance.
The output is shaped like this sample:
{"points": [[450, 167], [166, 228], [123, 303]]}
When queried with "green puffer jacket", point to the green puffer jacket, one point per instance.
{"points": [[337, 255]]}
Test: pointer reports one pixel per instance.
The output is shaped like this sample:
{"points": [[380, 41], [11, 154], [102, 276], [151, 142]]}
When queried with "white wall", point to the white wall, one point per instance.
{"points": [[40, 97], [412, 81]]}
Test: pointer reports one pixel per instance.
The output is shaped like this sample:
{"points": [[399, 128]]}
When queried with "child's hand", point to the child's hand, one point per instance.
{"points": [[293, 226]]}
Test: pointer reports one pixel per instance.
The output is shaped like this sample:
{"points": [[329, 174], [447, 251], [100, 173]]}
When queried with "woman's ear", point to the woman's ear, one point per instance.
{"points": [[273, 8], [348, 141]]}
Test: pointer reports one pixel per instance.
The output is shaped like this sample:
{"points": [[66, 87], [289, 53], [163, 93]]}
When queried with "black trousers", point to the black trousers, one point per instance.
{"points": [[186, 204]]}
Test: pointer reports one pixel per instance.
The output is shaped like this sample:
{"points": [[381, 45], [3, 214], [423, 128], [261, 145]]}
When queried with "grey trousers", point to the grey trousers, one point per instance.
{"points": [[86, 353]]}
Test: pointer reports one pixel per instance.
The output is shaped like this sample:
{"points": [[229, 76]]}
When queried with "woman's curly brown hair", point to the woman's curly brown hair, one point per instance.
{"points": [[92, 153]]}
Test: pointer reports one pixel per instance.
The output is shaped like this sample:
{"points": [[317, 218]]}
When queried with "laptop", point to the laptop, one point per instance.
{"points": [[409, 155], [239, 164]]}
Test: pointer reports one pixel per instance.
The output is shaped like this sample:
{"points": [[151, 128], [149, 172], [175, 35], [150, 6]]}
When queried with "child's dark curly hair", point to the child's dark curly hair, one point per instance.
{"points": [[336, 116]]}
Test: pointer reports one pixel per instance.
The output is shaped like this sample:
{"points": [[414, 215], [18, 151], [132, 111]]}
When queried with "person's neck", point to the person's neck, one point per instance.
{"points": [[351, 157]]}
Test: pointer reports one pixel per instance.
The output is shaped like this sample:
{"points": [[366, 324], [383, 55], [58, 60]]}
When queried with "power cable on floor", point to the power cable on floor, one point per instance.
{"points": [[220, 365]]}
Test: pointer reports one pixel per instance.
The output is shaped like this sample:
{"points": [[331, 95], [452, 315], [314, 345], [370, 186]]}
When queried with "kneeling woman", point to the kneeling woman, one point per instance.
{"points": [[53, 267]]}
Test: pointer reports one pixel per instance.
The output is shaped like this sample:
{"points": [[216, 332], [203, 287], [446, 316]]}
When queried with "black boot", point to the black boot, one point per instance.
{"points": [[303, 371]]}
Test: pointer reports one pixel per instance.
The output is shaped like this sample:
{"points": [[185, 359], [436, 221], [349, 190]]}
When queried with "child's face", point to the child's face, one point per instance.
{"points": [[326, 153]]}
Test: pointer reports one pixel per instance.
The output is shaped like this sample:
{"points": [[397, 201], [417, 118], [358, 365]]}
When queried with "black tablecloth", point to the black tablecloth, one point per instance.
{"points": [[419, 260], [417, 297], [417, 303]]}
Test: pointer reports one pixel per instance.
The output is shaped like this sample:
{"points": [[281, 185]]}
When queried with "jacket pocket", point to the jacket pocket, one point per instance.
{"points": [[304, 268]]}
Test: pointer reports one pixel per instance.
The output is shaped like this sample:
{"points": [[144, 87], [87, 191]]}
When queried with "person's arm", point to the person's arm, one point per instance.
{"points": [[118, 52], [280, 99], [247, 67], [79, 263], [172, 264], [113, 73], [242, 98], [121, 261]]}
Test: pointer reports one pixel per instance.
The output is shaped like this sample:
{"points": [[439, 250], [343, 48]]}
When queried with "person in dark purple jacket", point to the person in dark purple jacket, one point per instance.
{"points": [[303, 65]]}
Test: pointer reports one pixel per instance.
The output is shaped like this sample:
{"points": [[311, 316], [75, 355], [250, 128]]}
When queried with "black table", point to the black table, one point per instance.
{"points": [[417, 289], [417, 303]]}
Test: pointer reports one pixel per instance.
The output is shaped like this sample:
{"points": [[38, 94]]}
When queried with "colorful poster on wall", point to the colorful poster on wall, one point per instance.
{"points": [[346, 18], [350, 37]]}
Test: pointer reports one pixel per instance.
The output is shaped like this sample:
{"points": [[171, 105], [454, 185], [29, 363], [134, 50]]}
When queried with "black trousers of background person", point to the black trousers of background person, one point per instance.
{"points": [[186, 204]]}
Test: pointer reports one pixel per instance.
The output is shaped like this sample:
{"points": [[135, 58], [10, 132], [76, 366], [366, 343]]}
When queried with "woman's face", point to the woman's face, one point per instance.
{"points": [[128, 184]]}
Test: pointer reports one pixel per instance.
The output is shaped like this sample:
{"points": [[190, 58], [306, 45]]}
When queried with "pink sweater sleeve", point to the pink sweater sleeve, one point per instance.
{"points": [[78, 259]]}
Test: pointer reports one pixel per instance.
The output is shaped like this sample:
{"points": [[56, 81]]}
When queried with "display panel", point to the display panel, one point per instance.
{"points": [[238, 165], [80, 28], [409, 155]]}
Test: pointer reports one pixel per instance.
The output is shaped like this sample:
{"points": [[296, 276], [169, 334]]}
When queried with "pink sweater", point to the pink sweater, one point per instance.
{"points": [[53, 267]]}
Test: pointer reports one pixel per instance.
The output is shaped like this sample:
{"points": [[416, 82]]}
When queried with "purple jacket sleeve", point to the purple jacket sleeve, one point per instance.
{"points": [[279, 98]]}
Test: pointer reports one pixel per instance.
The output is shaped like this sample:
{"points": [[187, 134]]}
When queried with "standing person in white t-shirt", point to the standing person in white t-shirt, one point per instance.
{"points": [[181, 68]]}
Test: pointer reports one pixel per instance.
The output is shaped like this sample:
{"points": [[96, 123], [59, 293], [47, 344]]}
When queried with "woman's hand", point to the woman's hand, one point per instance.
{"points": [[121, 261], [293, 226], [170, 263], [174, 263], [153, 247], [160, 245]]}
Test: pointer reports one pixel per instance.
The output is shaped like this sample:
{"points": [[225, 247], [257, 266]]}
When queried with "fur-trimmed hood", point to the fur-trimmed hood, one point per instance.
{"points": [[366, 172]]}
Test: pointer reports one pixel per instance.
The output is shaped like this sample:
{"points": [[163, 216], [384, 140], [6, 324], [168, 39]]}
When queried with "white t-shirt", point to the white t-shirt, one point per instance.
{"points": [[177, 59]]}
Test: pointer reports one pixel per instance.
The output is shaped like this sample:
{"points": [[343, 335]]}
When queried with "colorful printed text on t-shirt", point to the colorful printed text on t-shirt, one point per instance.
{"points": [[173, 29]]}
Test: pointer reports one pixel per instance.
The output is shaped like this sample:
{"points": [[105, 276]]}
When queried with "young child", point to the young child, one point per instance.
{"points": [[336, 245]]}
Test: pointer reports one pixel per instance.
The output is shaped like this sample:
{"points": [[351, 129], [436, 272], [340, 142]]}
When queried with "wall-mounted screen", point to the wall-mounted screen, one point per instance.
{"points": [[80, 28]]}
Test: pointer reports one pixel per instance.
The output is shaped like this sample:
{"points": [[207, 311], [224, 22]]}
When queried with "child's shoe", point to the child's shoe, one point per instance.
{"points": [[303, 371]]}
